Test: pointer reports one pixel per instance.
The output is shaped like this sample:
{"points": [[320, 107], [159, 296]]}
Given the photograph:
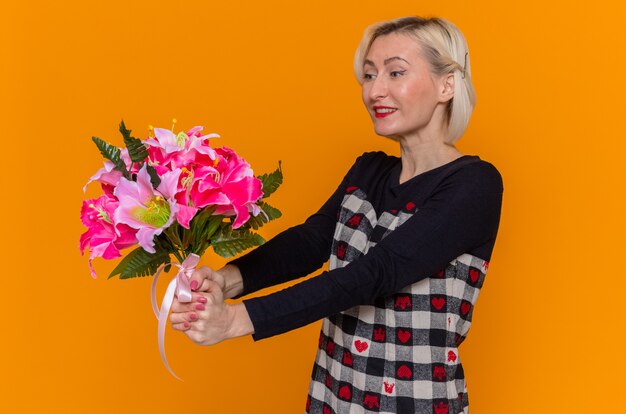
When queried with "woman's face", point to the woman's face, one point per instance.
{"points": [[399, 91]]}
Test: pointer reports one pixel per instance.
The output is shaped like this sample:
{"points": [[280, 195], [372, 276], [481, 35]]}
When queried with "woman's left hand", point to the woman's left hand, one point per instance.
{"points": [[207, 319]]}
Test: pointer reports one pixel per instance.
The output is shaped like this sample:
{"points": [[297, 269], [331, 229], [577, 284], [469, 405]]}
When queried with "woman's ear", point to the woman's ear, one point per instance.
{"points": [[447, 87]]}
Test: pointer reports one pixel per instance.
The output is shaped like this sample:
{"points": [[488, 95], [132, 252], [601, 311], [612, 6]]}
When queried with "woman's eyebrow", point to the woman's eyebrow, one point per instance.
{"points": [[391, 59], [386, 61]]}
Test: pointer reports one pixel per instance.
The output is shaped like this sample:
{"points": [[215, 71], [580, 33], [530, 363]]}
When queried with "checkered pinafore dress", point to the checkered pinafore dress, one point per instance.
{"points": [[399, 355]]}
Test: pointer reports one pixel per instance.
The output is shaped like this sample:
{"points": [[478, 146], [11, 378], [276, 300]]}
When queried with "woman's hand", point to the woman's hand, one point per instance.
{"points": [[228, 278], [207, 319]]}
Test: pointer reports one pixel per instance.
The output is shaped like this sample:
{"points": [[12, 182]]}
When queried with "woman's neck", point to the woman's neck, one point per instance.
{"points": [[419, 156]]}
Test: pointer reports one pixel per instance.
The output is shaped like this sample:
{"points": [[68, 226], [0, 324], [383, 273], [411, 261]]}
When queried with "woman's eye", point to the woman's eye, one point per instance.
{"points": [[397, 73], [368, 76]]}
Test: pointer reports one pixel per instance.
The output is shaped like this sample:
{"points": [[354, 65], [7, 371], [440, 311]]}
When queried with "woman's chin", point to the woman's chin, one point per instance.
{"points": [[386, 132]]}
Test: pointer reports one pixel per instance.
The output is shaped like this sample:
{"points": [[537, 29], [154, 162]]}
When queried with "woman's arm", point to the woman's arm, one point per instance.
{"points": [[462, 215], [228, 278], [208, 320], [295, 252]]}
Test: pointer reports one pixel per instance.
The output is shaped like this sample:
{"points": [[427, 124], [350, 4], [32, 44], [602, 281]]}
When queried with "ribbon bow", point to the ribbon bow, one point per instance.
{"points": [[178, 286]]}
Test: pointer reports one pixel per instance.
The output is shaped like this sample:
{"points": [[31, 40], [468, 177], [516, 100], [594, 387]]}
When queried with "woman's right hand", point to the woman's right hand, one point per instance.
{"points": [[227, 278]]}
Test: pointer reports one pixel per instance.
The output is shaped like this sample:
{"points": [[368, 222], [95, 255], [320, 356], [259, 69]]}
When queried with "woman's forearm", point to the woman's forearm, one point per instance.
{"points": [[241, 324], [233, 281]]}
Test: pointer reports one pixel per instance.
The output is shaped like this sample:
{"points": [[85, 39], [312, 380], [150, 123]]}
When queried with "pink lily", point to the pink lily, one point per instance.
{"points": [[148, 210], [104, 237], [176, 151], [230, 185], [108, 176]]}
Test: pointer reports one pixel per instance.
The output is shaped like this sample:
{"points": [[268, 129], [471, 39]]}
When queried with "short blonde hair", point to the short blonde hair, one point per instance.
{"points": [[445, 48]]}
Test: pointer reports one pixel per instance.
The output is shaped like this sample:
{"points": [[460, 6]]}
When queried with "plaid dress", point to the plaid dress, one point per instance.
{"points": [[400, 354], [407, 260]]}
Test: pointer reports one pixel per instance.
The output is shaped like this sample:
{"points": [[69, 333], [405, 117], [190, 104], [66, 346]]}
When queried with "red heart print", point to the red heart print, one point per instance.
{"points": [[389, 387], [347, 358], [465, 307], [345, 393], [379, 334], [441, 408], [474, 275], [360, 346], [402, 302], [410, 206], [404, 372], [439, 373], [438, 303], [330, 347], [371, 401], [451, 356], [355, 220], [403, 335], [341, 250]]}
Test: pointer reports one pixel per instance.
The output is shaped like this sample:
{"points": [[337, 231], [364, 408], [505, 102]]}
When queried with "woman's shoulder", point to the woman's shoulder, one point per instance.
{"points": [[478, 172], [376, 158], [370, 167]]}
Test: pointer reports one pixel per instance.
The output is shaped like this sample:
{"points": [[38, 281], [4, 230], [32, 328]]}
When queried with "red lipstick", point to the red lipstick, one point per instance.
{"points": [[383, 111]]}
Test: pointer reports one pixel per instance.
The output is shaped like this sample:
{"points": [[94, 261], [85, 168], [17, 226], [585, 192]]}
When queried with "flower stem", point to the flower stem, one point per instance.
{"points": [[178, 256]]}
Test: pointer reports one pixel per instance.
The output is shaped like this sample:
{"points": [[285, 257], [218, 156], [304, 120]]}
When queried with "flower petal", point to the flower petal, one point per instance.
{"points": [[169, 183], [144, 185], [145, 237], [185, 214]]}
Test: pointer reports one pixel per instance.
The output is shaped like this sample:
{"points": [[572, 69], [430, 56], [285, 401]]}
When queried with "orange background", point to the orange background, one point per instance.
{"points": [[275, 80]]}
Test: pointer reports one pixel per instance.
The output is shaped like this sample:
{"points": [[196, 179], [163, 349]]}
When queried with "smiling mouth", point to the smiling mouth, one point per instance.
{"points": [[382, 111]]}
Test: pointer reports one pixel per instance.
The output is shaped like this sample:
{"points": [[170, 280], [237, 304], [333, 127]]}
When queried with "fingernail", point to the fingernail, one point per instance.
{"points": [[200, 306], [193, 317], [194, 285], [202, 299], [186, 325]]}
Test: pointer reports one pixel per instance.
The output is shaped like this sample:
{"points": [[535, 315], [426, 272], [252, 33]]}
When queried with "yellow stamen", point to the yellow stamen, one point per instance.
{"points": [[102, 215], [187, 179]]}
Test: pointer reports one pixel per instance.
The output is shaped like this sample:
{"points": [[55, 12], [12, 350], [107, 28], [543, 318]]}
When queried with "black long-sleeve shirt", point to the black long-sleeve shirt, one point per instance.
{"points": [[455, 209]]}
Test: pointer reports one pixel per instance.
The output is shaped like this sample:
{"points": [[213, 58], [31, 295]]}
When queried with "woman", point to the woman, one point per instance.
{"points": [[409, 240]]}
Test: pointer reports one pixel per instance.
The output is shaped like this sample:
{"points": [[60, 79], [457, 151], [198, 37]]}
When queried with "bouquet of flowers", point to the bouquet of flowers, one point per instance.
{"points": [[173, 195]]}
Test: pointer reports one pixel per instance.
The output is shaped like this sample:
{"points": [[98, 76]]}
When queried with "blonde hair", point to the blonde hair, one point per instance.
{"points": [[445, 48]]}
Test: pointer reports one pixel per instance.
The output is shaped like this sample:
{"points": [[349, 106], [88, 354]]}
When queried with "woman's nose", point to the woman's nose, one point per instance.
{"points": [[378, 88]]}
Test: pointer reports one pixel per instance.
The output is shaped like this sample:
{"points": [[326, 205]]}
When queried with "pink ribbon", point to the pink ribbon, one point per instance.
{"points": [[179, 287]]}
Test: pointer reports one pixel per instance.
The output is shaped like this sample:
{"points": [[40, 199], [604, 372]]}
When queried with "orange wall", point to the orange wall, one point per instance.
{"points": [[274, 79]]}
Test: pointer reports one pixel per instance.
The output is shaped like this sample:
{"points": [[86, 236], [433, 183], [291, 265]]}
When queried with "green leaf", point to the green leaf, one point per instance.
{"points": [[228, 243], [113, 154], [154, 177], [204, 224], [271, 181], [140, 263], [136, 149], [271, 213]]}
